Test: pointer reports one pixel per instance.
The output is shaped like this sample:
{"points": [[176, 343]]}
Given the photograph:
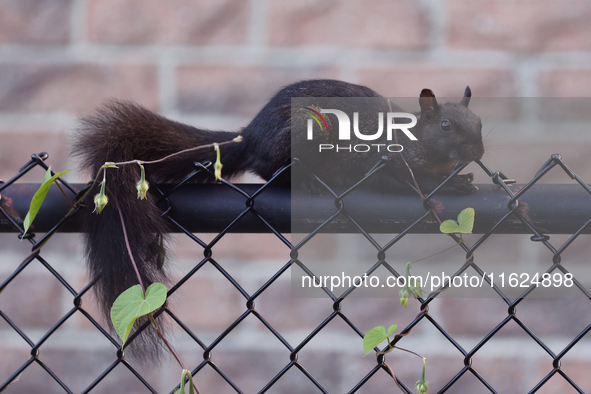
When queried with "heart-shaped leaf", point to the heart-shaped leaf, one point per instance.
{"points": [[464, 225], [131, 305], [375, 336], [391, 330]]}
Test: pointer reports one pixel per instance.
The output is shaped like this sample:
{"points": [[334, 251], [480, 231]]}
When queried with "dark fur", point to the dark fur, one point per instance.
{"points": [[123, 131]]}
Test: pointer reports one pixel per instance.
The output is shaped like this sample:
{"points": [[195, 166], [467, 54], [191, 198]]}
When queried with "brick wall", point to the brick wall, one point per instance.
{"points": [[214, 63]]}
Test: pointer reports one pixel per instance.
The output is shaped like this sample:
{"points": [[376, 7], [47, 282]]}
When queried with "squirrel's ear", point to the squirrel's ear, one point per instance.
{"points": [[428, 102], [467, 94]]}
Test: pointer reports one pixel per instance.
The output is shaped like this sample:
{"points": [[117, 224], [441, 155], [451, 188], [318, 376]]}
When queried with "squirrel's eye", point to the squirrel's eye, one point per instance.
{"points": [[445, 125]]}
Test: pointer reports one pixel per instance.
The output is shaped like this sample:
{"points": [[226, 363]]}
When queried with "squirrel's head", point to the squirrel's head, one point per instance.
{"points": [[449, 132]]}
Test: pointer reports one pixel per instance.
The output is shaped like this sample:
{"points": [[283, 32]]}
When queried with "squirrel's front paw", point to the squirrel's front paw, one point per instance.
{"points": [[468, 178], [463, 183]]}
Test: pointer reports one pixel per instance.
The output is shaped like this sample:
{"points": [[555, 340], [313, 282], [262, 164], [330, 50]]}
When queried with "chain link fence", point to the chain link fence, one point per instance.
{"points": [[256, 212]]}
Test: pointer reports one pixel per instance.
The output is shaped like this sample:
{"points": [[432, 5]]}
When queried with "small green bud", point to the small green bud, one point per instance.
{"points": [[218, 163], [405, 293], [142, 186], [100, 201], [416, 289], [412, 286], [142, 189], [422, 388]]}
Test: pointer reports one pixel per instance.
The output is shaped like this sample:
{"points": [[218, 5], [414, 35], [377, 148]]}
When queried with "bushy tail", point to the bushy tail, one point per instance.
{"points": [[120, 132]]}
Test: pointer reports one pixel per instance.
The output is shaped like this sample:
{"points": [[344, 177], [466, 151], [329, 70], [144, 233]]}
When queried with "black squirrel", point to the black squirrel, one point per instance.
{"points": [[447, 134]]}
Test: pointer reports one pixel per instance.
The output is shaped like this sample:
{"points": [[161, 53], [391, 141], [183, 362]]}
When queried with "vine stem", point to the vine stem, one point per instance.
{"points": [[392, 346], [64, 194], [406, 350], [435, 254], [235, 140], [393, 376], [151, 317], [170, 347], [137, 272]]}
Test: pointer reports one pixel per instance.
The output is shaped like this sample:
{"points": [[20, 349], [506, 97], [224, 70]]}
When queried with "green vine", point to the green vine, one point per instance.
{"points": [[412, 288], [136, 301]]}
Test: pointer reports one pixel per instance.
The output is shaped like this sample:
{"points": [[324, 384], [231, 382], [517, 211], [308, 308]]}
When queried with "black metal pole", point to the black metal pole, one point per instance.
{"points": [[551, 208]]}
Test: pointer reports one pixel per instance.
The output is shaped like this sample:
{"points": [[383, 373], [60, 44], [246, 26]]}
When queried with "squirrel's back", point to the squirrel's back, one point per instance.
{"points": [[268, 136]]}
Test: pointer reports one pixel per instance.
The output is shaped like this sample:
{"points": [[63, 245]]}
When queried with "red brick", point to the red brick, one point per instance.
{"points": [[34, 21], [32, 380], [505, 375], [76, 368], [79, 368], [89, 305], [577, 369], [576, 254], [554, 110], [476, 317], [237, 90], [32, 300], [251, 370], [12, 357], [76, 87], [445, 82], [169, 22], [16, 150], [367, 313], [565, 83], [235, 246], [506, 155], [562, 316], [520, 25], [206, 303], [284, 312], [10, 242], [374, 23]]}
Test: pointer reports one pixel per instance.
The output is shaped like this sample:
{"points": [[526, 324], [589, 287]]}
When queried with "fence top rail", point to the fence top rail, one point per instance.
{"points": [[551, 208]]}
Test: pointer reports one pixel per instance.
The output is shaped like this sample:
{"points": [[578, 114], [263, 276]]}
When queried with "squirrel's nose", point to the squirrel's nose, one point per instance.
{"points": [[478, 152]]}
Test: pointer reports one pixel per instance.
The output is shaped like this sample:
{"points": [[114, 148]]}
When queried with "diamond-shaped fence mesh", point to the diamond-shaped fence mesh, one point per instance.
{"points": [[470, 345]]}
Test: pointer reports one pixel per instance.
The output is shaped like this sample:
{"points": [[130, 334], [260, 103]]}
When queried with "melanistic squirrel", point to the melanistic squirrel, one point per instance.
{"points": [[447, 135]]}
